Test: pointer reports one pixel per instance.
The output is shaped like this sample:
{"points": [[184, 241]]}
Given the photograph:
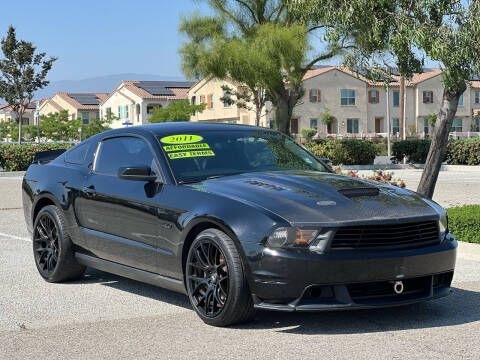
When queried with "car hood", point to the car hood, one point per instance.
{"points": [[316, 197]]}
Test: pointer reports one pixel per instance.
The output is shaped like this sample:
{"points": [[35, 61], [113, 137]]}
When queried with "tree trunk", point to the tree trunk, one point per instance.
{"points": [[20, 116], [282, 115], [438, 147]]}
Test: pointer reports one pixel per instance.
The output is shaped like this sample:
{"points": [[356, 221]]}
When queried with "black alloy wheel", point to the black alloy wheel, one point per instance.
{"points": [[46, 244], [207, 274], [53, 249], [216, 281]]}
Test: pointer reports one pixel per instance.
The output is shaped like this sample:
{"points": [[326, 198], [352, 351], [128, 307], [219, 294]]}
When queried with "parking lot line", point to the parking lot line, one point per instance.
{"points": [[14, 237]]}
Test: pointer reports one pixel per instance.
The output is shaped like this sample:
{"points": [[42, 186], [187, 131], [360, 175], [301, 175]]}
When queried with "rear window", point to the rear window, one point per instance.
{"points": [[77, 154]]}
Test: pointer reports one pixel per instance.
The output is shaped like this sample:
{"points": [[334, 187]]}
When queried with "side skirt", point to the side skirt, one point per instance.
{"points": [[131, 273]]}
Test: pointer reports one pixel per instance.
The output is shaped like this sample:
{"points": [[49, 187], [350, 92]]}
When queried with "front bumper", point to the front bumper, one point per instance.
{"points": [[284, 279]]}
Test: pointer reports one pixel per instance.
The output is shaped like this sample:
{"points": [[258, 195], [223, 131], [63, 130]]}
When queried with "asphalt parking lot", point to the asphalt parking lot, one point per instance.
{"points": [[106, 316]]}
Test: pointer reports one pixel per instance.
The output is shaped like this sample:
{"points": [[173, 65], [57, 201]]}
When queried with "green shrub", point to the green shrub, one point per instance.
{"points": [[14, 157], [381, 149], [345, 152], [464, 152], [464, 223], [308, 133], [416, 150]]}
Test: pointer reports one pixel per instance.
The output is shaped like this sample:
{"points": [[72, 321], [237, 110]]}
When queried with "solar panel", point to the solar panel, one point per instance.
{"points": [[85, 99], [161, 87]]}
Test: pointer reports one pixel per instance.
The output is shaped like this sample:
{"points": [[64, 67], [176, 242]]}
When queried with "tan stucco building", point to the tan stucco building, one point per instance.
{"points": [[7, 113], [78, 105], [132, 101], [210, 91], [358, 105]]}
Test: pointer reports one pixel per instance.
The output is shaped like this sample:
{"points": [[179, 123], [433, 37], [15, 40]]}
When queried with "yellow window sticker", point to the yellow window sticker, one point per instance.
{"points": [[186, 147], [189, 154], [181, 139]]}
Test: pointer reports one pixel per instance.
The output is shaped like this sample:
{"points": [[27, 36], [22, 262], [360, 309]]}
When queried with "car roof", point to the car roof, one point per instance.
{"points": [[180, 127], [171, 128]]}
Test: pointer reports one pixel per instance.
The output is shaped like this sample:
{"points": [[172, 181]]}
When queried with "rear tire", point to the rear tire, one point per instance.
{"points": [[52, 247], [215, 279]]}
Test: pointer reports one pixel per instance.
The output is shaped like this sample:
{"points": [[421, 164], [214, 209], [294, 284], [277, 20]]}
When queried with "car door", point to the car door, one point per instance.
{"points": [[120, 218]]}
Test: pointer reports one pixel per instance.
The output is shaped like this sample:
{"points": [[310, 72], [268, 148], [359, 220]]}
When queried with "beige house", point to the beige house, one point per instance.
{"points": [[79, 105], [210, 91], [7, 113], [133, 101], [359, 105]]}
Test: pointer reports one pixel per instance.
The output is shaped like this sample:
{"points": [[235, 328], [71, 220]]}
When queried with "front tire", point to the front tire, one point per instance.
{"points": [[215, 279], [52, 247]]}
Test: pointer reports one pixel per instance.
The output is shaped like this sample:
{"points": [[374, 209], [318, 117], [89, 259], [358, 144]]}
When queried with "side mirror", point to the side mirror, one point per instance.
{"points": [[138, 173]]}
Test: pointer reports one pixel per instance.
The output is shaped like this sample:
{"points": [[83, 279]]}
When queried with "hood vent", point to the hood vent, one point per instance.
{"points": [[359, 192], [264, 185]]}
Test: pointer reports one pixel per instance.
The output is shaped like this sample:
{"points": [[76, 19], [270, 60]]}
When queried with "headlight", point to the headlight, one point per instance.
{"points": [[443, 222], [291, 237]]}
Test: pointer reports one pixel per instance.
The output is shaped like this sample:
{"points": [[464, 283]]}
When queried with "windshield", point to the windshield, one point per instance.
{"points": [[203, 155]]}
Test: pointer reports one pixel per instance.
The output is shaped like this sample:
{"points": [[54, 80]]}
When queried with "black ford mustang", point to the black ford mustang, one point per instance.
{"points": [[238, 218]]}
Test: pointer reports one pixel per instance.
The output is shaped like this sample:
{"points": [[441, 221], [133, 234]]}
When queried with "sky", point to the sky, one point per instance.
{"points": [[96, 38], [93, 38]]}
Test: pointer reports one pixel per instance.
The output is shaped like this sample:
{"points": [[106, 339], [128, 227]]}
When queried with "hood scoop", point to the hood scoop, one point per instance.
{"points": [[359, 192], [264, 185]]}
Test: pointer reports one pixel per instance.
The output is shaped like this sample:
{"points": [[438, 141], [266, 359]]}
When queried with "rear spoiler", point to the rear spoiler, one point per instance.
{"points": [[44, 157]]}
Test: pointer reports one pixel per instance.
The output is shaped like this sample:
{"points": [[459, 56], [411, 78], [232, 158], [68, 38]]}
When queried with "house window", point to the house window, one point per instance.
{"points": [[428, 97], [227, 96], [347, 97], [194, 100], [314, 124], [150, 108], [211, 101], [97, 115], [109, 113], [352, 126], [396, 125], [202, 99], [425, 126], [85, 117], [373, 96], [460, 100], [477, 97], [125, 111], [314, 95], [456, 126], [396, 98], [120, 112]]}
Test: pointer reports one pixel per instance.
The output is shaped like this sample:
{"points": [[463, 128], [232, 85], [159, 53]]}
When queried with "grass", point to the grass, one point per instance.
{"points": [[464, 223]]}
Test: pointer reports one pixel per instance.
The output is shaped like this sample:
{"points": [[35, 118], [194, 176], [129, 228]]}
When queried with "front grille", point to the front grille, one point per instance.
{"points": [[385, 288], [408, 235]]}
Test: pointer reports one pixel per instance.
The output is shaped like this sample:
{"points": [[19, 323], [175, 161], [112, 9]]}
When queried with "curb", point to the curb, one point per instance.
{"points": [[465, 168], [12, 173]]}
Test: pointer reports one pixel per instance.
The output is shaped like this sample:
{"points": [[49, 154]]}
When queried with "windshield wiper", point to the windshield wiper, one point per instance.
{"points": [[206, 178]]}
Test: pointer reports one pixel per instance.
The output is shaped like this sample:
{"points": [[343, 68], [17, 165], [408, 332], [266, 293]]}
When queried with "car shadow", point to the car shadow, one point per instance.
{"points": [[461, 307], [93, 276]]}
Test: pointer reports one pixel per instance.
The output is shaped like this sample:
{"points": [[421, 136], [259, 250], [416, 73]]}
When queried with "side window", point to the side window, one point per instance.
{"points": [[119, 152], [77, 154]]}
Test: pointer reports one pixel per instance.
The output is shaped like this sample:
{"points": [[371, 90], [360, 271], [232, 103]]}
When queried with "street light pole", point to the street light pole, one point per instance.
{"points": [[37, 115], [388, 121]]}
